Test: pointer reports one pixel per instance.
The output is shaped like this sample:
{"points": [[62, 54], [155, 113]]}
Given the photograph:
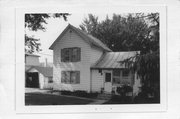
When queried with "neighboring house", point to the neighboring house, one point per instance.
{"points": [[32, 60], [39, 77], [82, 62]]}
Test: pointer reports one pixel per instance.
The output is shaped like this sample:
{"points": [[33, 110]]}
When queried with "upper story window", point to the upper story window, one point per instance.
{"points": [[71, 54]]}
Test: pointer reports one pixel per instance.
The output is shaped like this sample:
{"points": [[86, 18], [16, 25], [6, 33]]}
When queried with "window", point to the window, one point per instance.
{"points": [[108, 77], [50, 80], [116, 76], [70, 54], [70, 77], [125, 73], [116, 73]]}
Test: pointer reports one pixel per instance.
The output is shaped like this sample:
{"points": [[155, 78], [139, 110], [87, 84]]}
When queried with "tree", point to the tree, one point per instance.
{"points": [[147, 65], [133, 32], [35, 22], [121, 33]]}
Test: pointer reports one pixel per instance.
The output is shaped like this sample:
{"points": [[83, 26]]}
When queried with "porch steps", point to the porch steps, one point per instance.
{"points": [[104, 96]]}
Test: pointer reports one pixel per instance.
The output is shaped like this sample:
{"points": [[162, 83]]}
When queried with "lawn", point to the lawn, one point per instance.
{"points": [[128, 100], [48, 99]]}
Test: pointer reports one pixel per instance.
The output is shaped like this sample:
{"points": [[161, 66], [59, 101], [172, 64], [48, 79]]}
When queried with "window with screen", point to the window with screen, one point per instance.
{"points": [[116, 76], [71, 54], [70, 77]]}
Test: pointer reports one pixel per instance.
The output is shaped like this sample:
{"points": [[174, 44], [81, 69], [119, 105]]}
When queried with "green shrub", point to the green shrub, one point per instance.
{"points": [[66, 92], [80, 93]]}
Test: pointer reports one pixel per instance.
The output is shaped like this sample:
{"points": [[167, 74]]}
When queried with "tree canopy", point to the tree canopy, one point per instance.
{"points": [[35, 22]]}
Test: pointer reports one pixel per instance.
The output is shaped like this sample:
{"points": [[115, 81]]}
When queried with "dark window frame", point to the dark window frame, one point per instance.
{"points": [[50, 79], [69, 75], [72, 54]]}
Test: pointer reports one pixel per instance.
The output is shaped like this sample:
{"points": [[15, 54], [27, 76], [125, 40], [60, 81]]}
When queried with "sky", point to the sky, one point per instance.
{"points": [[54, 27]]}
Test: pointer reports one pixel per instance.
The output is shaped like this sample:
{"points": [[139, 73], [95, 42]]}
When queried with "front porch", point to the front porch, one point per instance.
{"points": [[109, 81], [119, 78]]}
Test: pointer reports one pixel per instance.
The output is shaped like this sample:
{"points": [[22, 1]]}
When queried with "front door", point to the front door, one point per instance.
{"points": [[108, 81]]}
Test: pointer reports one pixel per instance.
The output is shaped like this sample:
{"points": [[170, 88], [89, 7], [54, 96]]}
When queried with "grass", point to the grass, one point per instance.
{"points": [[48, 99], [128, 100]]}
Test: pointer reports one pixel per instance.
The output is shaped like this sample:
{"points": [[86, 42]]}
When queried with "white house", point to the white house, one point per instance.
{"points": [[82, 62], [39, 77]]}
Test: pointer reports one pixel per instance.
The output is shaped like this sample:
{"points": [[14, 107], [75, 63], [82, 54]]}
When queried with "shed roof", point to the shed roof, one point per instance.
{"points": [[87, 37], [46, 71], [110, 60]]}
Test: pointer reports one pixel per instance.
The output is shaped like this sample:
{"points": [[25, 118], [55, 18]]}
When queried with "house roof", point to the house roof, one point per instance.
{"points": [[27, 54], [111, 60], [27, 67], [46, 71], [87, 37]]}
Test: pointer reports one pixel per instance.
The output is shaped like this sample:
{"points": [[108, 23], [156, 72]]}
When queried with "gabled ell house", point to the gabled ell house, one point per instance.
{"points": [[83, 62]]}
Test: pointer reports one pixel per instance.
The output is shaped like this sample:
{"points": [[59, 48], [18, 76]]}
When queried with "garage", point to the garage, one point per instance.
{"points": [[32, 80], [39, 77]]}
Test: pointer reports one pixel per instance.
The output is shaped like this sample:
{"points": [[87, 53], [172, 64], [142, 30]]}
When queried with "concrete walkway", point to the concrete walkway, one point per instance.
{"points": [[36, 90]]}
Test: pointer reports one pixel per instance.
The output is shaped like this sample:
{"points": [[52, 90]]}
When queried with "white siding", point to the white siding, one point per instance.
{"points": [[46, 84], [67, 41], [41, 81], [97, 80], [96, 53]]}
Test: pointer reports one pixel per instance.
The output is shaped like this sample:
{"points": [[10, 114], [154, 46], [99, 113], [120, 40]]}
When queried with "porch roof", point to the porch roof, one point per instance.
{"points": [[110, 60]]}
